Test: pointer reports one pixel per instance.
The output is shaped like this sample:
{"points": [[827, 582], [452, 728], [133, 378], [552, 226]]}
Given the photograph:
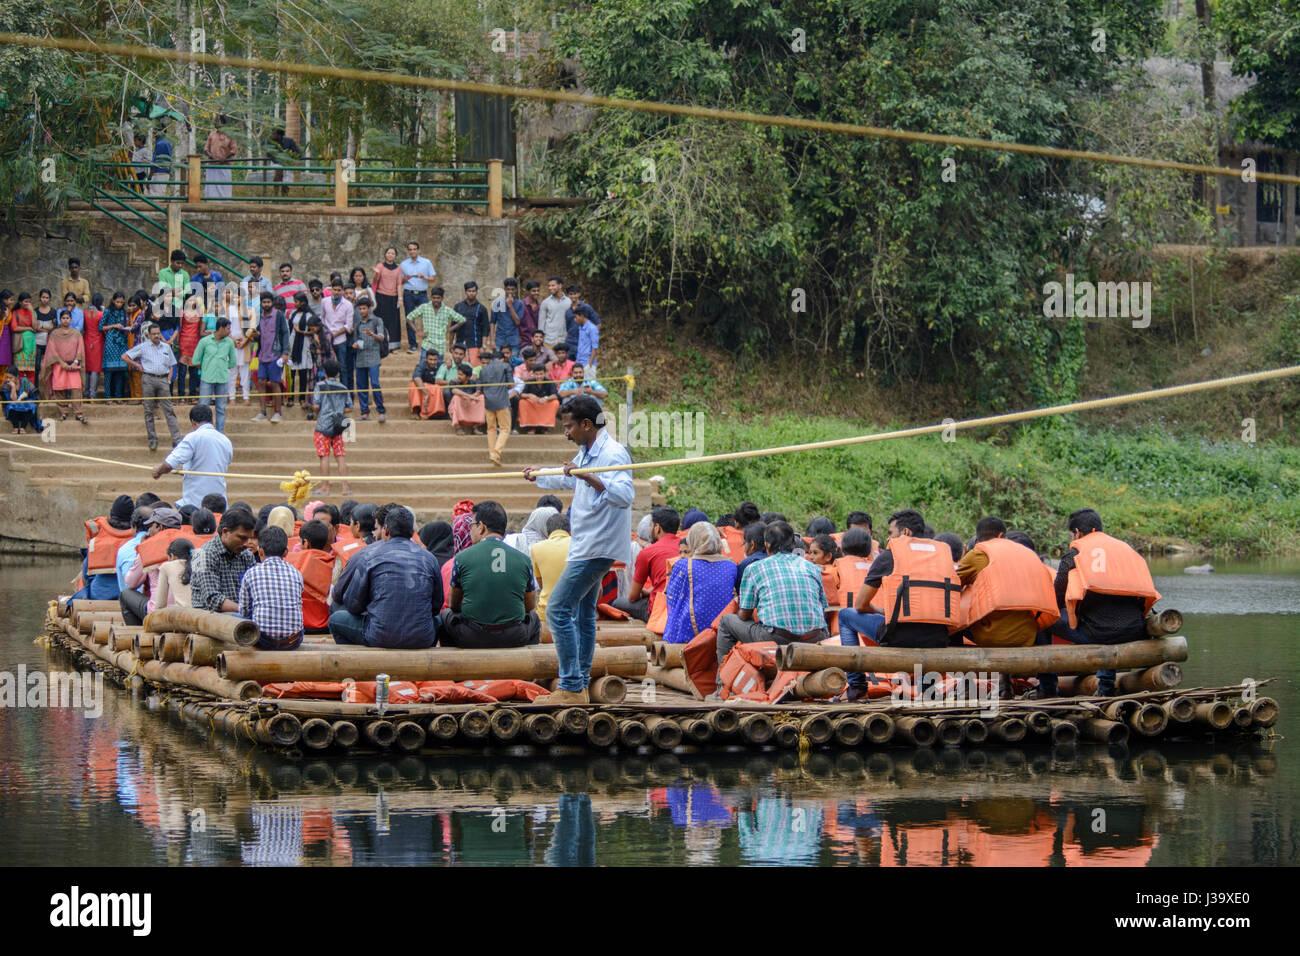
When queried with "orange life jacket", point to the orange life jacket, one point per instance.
{"points": [[317, 570], [344, 549], [1019, 582], [153, 549], [1106, 565], [740, 678], [831, 582], [658, 622], [923, 588], [102, 542], [852, 571], [733, 544]]}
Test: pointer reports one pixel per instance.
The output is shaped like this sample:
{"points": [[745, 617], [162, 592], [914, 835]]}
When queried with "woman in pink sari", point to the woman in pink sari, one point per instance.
{"points": [[64, 362]]}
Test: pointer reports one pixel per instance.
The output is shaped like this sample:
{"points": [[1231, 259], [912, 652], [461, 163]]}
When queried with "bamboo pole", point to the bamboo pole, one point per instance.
{"points": [[345, 734], [786, 735], [642, 638], [675, 678], [849, 731], [609, 689], [602, 729], [573, 720], [444, 727], [665, 733], [826, 682], [975, 731], [170, 648], [669, 655], [879, 728], [121, 637], [222, 627], [695, 729], [410, 736], [632, 732], [1161, 677], [202, 651], [1039, 721], [817, 728], [86, 620], [1166, 622], [202, 678], [723, 720], [332, 663], [949, 731], [1241, 717], [317, 733], [505, 724], [1014, 661], [1120, 710], [541, 728], [99, 632], [1264, 712], [1180, 710], [380, 733], [476, 724], [1009, 730], [1215, 714], [1149, 721], [1064, 732], [1104, 731], [916, 730], [756, 728], [281, 730]]}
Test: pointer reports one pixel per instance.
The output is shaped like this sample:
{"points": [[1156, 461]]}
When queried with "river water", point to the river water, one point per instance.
{"points": [[135, 787]]}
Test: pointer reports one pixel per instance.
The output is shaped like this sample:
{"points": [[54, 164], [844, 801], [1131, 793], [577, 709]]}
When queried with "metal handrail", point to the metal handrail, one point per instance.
{"points": [[117, 218]]}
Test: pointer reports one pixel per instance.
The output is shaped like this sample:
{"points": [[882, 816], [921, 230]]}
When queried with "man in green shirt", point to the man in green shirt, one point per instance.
{"points": [[437, 322], [215, 357], [493, 591], [176, 279], [447, 371]]}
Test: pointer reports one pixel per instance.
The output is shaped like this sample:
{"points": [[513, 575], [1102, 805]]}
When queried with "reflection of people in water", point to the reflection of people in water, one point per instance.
{"points": [[573, 843], [778, 830]]}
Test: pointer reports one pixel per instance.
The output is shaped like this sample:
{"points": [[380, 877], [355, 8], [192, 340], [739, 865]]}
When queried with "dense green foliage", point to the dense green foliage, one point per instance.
{"points": [[1150, 486], [1264, 41], [919, 276]]}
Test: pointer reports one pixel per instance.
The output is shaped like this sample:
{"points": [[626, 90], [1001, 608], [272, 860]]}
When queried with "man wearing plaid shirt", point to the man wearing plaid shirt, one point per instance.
{"points": [[437, 322], [218, 566], [271, 594], [784, 592]]}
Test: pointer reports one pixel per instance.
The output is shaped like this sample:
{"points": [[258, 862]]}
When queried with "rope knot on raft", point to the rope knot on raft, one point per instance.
{"points": [[298, 487]]}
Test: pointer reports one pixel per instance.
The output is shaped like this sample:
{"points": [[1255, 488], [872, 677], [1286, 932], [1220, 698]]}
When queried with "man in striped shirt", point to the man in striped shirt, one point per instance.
{"points": [[270, 594]]}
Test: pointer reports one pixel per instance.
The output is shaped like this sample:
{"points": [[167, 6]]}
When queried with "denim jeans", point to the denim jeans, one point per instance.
{"points": [[368, 378], [213, 394], [853, 623], [571, 616], [347, 628], [347, 366], [1047, 683], [412, 300]]}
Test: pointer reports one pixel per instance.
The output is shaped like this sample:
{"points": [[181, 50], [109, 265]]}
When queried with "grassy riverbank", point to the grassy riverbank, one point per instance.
{"points": [[1151, 487]]}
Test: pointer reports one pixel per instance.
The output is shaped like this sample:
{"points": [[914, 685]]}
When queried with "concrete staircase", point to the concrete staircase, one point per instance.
{"points": [[403, 445]]}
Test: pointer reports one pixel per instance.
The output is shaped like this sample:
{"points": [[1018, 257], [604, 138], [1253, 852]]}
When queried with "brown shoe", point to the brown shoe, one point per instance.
{"points": [[563, 698]]}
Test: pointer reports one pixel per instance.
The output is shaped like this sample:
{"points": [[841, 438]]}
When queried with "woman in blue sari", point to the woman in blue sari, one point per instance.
{"points": [[700, 584]]}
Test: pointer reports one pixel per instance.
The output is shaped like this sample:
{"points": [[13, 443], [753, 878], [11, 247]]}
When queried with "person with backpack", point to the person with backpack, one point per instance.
{"points": [[332, 397]]}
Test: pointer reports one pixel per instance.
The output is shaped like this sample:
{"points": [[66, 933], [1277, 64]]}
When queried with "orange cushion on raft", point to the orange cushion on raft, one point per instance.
{"points": [[611, 613]]}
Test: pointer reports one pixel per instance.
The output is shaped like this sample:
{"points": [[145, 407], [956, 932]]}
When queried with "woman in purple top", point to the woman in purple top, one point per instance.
{"points": [[272, 334], [699, 586]]}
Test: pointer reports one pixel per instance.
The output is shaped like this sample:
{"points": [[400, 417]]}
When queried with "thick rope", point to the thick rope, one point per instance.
{"points": [[1113, 401], [616, 102]]}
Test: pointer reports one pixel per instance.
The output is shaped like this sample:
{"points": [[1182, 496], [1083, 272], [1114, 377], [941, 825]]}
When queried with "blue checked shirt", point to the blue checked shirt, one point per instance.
{"points": [[271, 595], [785, 591], [601, 523]]}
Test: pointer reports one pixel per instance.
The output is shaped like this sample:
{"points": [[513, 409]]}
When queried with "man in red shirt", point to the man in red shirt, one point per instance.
{"points": [[652, 566]]}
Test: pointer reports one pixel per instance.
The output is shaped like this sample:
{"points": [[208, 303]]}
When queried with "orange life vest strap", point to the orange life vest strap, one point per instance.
{"points": [[903, 603]]}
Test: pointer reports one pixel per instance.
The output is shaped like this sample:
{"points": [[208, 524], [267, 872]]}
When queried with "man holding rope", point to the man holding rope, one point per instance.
{"points": [[600, 534]]}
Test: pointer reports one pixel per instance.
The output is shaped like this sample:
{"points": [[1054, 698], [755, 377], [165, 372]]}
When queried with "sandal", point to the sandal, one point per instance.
{"points": [[82, 419], [848, 695]]}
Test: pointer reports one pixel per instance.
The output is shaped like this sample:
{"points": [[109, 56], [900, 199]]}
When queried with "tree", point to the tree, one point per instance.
{"points": [[1264, 40]]}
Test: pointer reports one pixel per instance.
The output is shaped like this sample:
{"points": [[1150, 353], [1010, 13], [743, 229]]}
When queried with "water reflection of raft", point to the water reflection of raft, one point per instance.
{"points": [[655, 714]]}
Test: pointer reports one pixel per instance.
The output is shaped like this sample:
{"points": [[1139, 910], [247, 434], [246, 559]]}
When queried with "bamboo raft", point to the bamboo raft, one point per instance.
{"points": [[203, 669]]}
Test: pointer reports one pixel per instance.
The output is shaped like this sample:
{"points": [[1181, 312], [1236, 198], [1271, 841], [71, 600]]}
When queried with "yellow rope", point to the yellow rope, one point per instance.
{"points": [[1130, 398], [616, 102]]}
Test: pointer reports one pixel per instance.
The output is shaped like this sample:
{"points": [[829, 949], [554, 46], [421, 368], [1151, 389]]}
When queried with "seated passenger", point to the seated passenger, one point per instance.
{"points": [[390, 592], [493, 592], [699, 586], [319, 566], [270, 594], [1007, 597], [467, 409], [651, 568], [1105, 592]]}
